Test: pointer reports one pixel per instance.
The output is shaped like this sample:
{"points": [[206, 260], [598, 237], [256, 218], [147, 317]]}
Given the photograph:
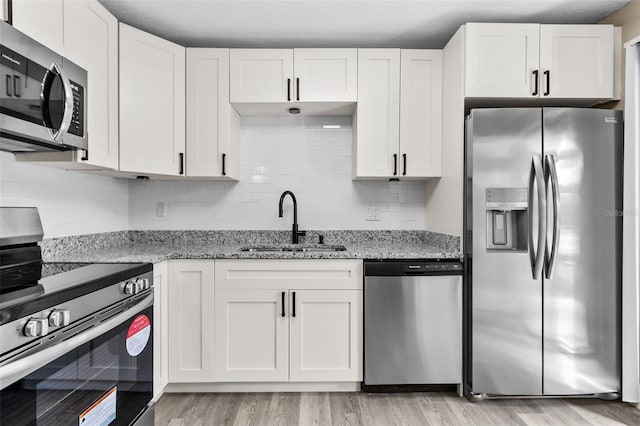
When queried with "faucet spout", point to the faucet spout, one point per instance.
{"points": [[294, 229]]}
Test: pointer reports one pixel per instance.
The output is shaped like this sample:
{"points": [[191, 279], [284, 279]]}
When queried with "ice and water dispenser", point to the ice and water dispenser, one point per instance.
{"points": [[507, 221]]}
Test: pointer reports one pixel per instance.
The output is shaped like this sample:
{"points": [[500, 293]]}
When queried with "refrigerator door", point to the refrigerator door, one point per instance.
{"points": [[582, 297], [506, 306]]}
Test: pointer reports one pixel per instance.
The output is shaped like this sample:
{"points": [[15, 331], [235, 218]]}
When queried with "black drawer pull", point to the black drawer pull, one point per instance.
{"points": [[293, 305], [224, 158], [283, 313], [535, 82], [547, 91]]}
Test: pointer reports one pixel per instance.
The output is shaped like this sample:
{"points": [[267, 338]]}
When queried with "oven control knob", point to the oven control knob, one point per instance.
{"points": [[59, 318], [36, 327], [130, 288], [139, 285], [143, 283]]}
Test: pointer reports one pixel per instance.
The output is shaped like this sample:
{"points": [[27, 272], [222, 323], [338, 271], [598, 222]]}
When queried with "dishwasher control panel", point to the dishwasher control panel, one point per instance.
{"points": [[404, 267]]}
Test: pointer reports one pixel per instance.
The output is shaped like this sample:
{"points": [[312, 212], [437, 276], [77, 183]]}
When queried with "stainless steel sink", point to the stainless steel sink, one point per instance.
{"points": [[298, 249]]}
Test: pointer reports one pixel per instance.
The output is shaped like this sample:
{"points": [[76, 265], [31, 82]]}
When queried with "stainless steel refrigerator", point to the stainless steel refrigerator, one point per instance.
{"points": [[543, 247]]}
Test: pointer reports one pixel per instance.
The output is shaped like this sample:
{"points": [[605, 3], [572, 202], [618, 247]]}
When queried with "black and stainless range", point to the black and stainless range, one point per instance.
{"points": [[76, 341]]}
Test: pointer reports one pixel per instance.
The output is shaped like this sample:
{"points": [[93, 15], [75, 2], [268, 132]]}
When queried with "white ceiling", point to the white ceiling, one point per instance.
{"points": [[334, 23]]}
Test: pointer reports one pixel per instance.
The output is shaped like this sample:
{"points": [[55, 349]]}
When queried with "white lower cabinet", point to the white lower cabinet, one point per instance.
{"points": [[288, 320], [190, 325], [252, 336], [325, 336]]}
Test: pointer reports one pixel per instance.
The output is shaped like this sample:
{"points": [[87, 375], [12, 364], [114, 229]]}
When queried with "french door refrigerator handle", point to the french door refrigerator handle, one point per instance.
{"points": [[550, 258], [536, 175]]}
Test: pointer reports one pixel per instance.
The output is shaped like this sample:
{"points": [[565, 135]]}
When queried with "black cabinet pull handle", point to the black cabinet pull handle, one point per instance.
{"points": [[288, 89], [181, 155], [283, 313], [404, 164], [293, 305], [547, 74], [297, 89], [395, 164], [16, 86], [7, 82], [535, 82], [224, 160]]}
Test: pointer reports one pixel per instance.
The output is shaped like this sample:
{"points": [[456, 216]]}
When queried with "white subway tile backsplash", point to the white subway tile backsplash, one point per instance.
{"points": [[70, 203], [278, 154]]}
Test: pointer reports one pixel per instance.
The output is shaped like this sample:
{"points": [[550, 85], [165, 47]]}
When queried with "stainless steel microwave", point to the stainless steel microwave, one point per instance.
{"points": [[43, 103]]}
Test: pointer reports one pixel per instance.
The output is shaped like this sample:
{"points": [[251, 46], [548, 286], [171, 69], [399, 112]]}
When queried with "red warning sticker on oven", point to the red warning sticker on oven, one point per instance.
{"points": [[138, 335]]}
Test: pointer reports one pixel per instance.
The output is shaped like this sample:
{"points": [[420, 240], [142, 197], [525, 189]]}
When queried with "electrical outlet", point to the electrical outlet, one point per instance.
{"points": [[161, 209], [373, 213]]}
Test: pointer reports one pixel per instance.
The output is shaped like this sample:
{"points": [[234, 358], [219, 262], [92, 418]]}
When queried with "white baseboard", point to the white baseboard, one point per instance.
{"points": [[263, 387]]}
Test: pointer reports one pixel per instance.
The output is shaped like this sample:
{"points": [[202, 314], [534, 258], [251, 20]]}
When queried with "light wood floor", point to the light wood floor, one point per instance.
{"points": [[384, 409]]}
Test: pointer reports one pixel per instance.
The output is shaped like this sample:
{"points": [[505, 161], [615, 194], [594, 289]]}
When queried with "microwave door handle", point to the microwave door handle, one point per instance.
{"points": [[536, 257], [67, 117], [551, 172], [25, 363]]}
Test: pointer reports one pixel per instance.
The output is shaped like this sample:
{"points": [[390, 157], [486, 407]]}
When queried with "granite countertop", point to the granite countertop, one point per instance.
{"points": [[157, 246]]}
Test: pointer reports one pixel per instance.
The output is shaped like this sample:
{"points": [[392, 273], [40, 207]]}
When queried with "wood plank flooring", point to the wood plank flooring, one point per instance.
{"points": [[432, 408]]}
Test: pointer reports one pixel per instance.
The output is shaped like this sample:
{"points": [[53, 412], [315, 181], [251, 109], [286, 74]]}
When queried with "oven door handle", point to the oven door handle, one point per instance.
{"points": [[21, 365]]}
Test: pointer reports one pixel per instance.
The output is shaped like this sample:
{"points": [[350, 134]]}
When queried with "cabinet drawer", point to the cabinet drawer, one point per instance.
{"points": [[301, 274]]}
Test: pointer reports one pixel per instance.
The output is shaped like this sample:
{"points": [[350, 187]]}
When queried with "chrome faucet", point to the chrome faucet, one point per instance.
{"points": [[294, 230]]}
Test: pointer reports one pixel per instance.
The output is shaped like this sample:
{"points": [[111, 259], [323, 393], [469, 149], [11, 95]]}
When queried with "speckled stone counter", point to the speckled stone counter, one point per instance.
{"points": [[156, 246]]}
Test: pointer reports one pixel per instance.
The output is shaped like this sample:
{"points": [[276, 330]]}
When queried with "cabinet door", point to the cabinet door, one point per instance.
{"points": [[377, 116], [152, 103], [42, 20], [261, 75], [576, 61], [212, 124], [326, 336], [91, 41], [191, 316], [160, 331], [500, 60], [420, 112], [329, 75], [252, 336]]}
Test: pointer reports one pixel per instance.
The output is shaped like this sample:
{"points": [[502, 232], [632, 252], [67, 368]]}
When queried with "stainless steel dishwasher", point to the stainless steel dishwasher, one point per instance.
{"points": [[412, 324]]}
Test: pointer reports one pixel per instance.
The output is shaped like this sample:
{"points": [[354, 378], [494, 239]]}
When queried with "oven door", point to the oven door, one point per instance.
{"points": [[101, 376]]}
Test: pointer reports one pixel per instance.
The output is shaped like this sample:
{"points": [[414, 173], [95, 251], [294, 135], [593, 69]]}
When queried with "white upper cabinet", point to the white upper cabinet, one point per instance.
{"points": [[42, 20], [213, 126], [576, 61], [501, 60], [377, 117], [152, 104], [91, 41], [398, 121], [421, 112], [4, 10], [326, 75], [261, 75], [539, 61], [316, 81]]}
